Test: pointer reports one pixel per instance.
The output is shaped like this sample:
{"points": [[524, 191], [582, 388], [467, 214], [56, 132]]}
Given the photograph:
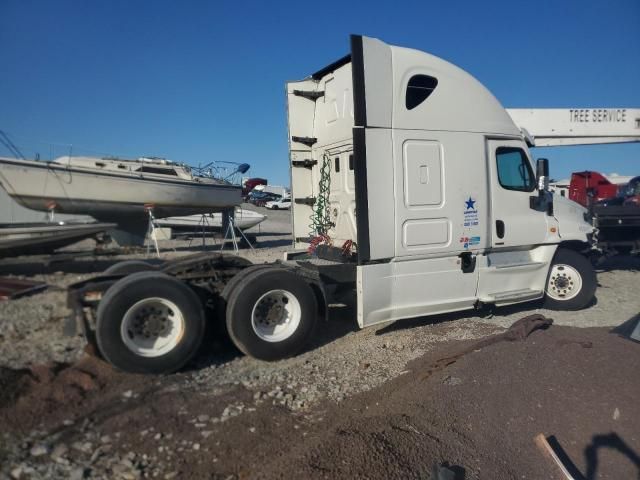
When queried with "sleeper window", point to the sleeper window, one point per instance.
{"points": [[418, 89]]}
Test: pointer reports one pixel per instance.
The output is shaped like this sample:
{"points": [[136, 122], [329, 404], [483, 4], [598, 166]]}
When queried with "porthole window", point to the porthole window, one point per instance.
{"points": [[418, 90]]}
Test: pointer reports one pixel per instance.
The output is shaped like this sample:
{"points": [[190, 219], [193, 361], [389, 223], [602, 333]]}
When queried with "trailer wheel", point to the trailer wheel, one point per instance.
{"points": [[129, 266], [149, 322], [571, 283], [271, 314]]}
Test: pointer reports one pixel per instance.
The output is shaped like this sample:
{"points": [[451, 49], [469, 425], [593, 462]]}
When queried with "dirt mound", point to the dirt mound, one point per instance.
{"points": [[45, 392], [519, 331], [474, 406], [12, 384], [479, 409]]}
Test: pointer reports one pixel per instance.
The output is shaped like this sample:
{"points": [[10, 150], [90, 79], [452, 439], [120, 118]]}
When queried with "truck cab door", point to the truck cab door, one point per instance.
{"points": [[512, 179], [514, 267]]}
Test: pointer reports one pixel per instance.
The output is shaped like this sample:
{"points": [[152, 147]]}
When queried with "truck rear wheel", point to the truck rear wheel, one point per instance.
{"points": [[149, 322], [571, 283], [271, 314]]}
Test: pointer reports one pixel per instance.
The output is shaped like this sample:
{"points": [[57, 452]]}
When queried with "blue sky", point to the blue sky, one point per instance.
{"points": [[197, 81]]}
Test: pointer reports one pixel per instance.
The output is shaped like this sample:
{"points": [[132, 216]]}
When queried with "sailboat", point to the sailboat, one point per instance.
{"points": [[111, 189]]}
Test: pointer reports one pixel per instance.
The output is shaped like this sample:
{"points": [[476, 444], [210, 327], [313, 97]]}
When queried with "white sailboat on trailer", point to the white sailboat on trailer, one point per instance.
{"points": [[118, 190], [106, 187]]}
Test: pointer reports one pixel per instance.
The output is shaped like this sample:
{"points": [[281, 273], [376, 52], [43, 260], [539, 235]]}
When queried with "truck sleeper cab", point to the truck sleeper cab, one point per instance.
{"points": [[433, 182], [411, 186]]}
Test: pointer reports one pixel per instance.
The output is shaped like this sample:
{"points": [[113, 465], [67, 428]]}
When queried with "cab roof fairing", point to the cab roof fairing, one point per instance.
{"points": [[459, 102]]}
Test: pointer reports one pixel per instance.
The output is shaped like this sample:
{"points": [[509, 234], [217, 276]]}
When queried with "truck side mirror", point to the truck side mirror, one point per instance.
{"points": [[542, 202], [542, 174]]}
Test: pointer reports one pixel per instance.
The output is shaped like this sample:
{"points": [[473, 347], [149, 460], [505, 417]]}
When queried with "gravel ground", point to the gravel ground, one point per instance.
{"points": [[31, 327], [342, 362]]}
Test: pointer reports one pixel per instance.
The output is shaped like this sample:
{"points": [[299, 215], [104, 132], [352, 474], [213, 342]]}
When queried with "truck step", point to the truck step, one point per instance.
{"points": [[308, 141], [305, 201], [308, 94], [532, 265], [513, 296], [306, 163]]}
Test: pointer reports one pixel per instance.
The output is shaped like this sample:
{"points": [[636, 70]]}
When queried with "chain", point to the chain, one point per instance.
{"points": [[321, 216]]}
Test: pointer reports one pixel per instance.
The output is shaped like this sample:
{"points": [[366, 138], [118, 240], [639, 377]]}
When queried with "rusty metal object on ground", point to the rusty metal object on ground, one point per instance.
{"points": [[11, 288]]}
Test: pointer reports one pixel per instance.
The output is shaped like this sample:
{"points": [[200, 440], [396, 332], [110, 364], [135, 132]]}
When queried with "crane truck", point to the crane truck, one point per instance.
{"points": [[422, 198]]}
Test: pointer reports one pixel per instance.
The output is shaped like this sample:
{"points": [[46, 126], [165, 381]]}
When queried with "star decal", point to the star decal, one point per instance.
{"points": [[470, 203]]}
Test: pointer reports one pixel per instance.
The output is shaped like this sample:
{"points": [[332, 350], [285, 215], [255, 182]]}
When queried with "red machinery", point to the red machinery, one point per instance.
{"points": [[250, 184], [587, 187]]}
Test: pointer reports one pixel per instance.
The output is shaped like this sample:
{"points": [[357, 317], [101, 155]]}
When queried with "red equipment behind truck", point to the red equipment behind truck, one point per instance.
{"points": [[250, 184], [584, 183]]}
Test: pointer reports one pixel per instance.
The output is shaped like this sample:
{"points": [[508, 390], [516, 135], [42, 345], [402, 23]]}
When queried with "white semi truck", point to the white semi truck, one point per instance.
{"points": [[413, 192]]}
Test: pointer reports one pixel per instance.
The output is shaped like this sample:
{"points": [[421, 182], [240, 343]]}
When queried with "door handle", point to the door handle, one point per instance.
{"points": [[500, 228]]}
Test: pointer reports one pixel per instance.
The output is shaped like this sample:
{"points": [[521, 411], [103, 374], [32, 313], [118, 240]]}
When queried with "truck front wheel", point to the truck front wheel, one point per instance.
{"points": [[571, 283], [271, 314], [149, 322]]}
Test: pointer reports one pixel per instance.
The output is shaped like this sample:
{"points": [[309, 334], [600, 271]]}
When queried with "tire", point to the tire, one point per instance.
{"points": [[275, 207], [271, 292], [178, 310], [129, 266], [571, 282], [221, 304]]}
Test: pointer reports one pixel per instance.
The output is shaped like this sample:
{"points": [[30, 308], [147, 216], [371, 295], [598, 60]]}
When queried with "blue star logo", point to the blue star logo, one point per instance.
{"points": [[470, 203]]}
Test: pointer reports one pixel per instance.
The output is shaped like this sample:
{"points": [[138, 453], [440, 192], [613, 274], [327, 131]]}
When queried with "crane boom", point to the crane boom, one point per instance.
{"points": [[546, 127]]}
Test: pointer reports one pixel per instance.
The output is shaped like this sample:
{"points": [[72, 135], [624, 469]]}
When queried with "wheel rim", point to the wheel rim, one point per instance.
{"points": [[276, 315], [152, 327], [565, 282]]}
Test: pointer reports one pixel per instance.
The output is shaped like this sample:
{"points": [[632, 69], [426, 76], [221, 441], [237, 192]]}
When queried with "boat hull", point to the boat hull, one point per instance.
{"points": [[23, 239], [243, 220], [48, 186]]}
